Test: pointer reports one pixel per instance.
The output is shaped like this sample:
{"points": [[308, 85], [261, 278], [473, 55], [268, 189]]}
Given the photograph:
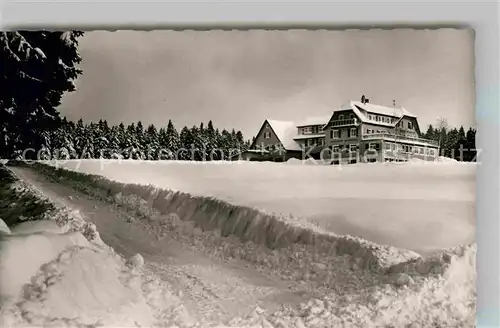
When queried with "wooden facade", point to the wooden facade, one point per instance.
{"points": [[357, 132]]}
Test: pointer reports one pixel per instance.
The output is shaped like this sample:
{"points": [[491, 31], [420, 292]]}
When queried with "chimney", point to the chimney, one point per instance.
{"points": [[394, 103], [367, 101], [363, 99]]}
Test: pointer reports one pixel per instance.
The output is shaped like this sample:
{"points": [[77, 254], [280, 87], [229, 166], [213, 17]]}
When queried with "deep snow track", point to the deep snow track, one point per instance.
{"points": [[212, 291]]}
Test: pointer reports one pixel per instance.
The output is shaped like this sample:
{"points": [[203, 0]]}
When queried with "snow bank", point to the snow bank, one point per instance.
{"points": [[316, 248], [440, 301], [30, 227], [58, 272], [22, 256], [66, 280], [251, 225], [68, 283]]}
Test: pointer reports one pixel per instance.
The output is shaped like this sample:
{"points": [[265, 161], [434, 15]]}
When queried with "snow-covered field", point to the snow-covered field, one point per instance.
{"points": [[423, 206]]}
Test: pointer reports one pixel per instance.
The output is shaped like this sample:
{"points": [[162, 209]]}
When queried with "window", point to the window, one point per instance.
{"points": [[410, 125], [322, 142], [421, 150], [431, 152], [353, 148], [388, 146], [341, 117], [335, 134], [351, 116], [368, 131], [354, 132], [335, 149], [371, 146], [267, 135], [410, 149], [307, 130]]}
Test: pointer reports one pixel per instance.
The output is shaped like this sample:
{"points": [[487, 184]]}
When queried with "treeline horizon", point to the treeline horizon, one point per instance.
{"points": [[94, 140], [454, 143]]}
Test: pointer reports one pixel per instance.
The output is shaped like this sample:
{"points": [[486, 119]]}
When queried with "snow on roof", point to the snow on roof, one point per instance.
{"points": [[318, 120], [309, 136], [355, 106], [383, 110], [285, 131]]}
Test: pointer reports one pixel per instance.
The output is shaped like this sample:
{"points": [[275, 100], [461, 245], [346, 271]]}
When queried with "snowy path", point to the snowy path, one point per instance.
{"points": [[212, 291]]}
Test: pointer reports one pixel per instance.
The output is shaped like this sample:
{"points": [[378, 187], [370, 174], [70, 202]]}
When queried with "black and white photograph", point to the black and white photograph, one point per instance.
{"points": [[238, 178]]}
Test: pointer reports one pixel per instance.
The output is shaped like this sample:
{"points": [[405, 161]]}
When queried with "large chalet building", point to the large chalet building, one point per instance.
{"points": [[357, 132]]}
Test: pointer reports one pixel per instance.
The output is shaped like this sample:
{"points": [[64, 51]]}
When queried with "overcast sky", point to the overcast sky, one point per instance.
{"points": [[239, 78]]}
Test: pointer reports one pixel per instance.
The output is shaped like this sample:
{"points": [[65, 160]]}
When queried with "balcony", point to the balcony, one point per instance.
{"points": [[310, 136], [395, 138], [350, 121]]}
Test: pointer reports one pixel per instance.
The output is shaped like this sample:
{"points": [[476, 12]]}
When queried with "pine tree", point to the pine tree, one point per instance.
{"points": [[471, 145], [442, 129], [152, 143], [197, 148], [81, 140], [219, 151], [139, 145], [121, 142], [172, 141], [163, 153], [430, 134], [130, 142], [461, 145], [234, 145], [37, 69], [114, 136], [187, 142], [240, 141], [211, 143], [101, 142], [450, 143], [225, 143], [63, 145]]}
